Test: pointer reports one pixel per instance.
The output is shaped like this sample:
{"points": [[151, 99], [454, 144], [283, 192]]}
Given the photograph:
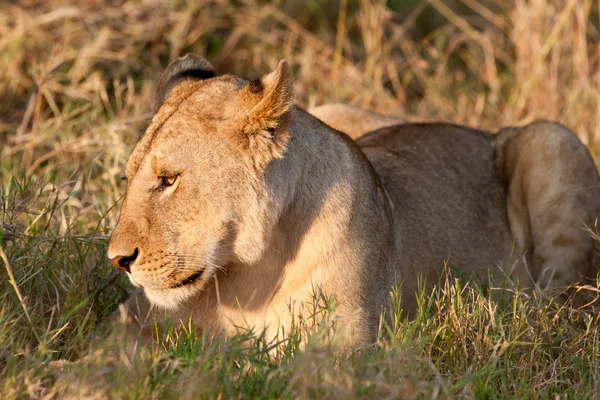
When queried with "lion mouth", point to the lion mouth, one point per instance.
{"points": [[189, 280]]}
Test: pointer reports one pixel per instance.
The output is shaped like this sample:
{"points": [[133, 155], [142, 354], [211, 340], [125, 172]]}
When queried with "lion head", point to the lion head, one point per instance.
{"points": [[203, 186]]}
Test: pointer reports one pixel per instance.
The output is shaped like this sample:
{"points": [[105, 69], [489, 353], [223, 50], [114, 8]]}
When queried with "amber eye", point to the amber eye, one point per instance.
{"points": [[168, 180]]}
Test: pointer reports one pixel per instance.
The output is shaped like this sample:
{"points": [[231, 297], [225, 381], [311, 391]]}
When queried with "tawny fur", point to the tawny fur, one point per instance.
{"points": [[353, 121], [273, 206]]}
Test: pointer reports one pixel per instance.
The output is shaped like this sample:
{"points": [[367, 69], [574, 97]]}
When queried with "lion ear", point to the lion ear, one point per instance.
{"points": [[191, 66], [267, 122]]}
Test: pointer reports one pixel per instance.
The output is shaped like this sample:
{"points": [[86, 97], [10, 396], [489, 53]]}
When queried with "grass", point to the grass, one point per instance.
{"points": [[75, 83]]}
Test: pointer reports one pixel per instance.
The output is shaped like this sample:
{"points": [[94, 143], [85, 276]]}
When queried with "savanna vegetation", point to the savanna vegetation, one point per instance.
{"points": [[76, 79]]}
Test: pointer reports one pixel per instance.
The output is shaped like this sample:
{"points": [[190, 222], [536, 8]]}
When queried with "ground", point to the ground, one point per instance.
{"points": [[76, 80]]}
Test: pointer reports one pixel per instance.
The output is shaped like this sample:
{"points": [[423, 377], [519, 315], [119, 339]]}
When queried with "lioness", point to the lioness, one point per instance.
{"points": [[240, 204]]}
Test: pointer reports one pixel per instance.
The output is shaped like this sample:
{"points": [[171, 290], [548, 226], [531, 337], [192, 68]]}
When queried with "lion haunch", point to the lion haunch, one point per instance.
{"points": [[239, 205]]}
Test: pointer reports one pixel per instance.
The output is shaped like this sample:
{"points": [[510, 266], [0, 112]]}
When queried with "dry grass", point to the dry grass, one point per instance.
{"points": [[75, 83]]}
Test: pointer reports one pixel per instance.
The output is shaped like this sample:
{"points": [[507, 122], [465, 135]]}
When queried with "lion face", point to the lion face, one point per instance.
{"points": [[201, 182]]}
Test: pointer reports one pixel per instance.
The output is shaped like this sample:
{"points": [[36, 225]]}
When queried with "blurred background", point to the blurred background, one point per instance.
{"points": [[76, 81]]}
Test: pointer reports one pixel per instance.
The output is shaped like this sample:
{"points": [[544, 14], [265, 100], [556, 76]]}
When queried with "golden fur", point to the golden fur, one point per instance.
{"points": [[551, 184], [353, 121], [240, 206]]}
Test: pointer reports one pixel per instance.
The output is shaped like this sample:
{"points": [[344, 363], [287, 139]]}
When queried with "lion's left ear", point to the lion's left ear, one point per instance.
{"points": [[191, 66], [269, 99]]}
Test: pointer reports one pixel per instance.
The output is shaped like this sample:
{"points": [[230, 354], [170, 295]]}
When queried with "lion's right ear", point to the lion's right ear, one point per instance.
{"points": [[191, 66]]}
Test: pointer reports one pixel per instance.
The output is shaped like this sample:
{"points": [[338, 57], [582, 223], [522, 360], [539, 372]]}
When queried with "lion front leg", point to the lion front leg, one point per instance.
{"points": [[553, 194]]}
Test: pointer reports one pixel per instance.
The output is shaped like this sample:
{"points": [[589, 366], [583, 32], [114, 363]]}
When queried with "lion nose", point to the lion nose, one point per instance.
{"points": [[123, 262]]}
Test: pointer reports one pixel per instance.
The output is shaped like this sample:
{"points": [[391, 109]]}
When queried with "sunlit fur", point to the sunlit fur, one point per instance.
{"points": [[353, 121], [271, 206]]}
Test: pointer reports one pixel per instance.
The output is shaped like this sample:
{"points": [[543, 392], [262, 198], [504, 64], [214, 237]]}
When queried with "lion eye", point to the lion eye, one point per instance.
{"points": [[168, 180]]}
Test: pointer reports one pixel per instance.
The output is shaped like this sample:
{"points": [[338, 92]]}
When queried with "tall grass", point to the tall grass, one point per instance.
{"points": [[75, 82]]}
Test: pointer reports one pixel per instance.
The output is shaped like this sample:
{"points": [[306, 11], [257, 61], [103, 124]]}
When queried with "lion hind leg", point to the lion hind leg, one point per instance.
{"points": [[553, 194]]}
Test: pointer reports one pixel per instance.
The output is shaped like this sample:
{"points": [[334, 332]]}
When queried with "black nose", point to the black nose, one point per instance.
{"points": [[123, 262]]}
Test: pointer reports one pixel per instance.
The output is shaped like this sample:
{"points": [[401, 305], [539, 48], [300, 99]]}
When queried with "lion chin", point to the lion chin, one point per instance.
{"points": [[172, 296], [170, 299]]}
